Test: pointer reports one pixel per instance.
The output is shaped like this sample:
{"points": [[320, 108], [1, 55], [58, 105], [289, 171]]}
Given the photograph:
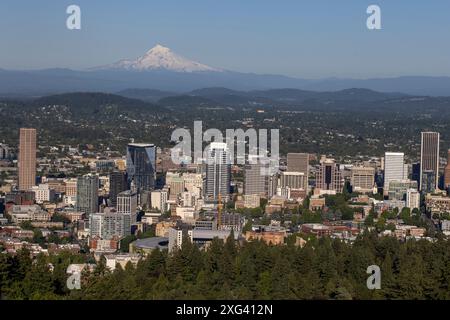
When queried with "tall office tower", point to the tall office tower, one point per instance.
{"points": [[27, 159], [298, 162], [429, 159], [87, 194], [141, 166], [329, 179], [257, 177], [117, 184], [218, 172], [363, 179], [127, 204], [447, 171], [394, 168]]}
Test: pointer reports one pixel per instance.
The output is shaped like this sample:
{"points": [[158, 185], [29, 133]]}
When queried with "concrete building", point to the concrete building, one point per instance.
{"points": [[127, 204], [329, 179], [175, 183], [413, 199], [43, 193], [447, 172], [109, 225], [218, 172], [117, 184], [293, 180], [177, 236], [362, 179], [399, 188], [70, 187], [159, 200], [27, 158], [87, 194], [298, 162], [429, 159], [258, 177], [394, 168]]}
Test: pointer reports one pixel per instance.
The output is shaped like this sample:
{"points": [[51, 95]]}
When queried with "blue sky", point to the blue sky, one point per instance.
{"points": [[310, 39]]}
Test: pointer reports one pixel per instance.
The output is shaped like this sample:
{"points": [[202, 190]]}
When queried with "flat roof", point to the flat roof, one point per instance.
{"points": [[141, 145], [152, 243]]}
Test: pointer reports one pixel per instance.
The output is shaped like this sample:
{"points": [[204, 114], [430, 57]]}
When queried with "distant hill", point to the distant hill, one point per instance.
{"points": [[151, 95], [226, 96]]}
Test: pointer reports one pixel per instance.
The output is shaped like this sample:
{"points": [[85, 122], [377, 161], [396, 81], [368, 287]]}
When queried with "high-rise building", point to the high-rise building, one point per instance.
{"points": [[109, 224], [256, 179], [413, 199], [141, 165], [329, 179], [363, 179], [159, 200], [127, 202], [87, 194], [117, 184], [27, 159], [298, 162], [218, 172], [447, 171], [394, 168], [429, 159]]}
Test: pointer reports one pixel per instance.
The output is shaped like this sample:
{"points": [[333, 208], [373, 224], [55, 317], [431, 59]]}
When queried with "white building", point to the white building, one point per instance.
{"points": [[193, 181], [187, 214], [394, 168], [112, 260], [159, 199], [21, 213], [413, 199], [127, 204], [43, 193], [176, 237]]}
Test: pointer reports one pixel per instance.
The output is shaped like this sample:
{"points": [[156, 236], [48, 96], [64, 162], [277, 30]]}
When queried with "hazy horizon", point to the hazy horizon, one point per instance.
{"points": [[299, 39]]}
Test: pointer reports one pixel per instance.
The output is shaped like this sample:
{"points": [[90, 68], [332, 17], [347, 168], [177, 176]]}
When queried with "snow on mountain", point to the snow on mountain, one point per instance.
{"points": [[161, 58]]}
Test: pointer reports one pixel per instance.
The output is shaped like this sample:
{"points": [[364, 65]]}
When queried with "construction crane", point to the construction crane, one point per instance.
{"points": [[219, 212]]}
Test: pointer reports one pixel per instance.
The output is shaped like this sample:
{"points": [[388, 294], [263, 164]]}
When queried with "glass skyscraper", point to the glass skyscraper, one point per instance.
{"points": [[141, 166]]}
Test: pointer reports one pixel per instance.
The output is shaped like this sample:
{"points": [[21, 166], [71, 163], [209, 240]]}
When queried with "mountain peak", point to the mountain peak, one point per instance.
{"points": [[161, 58], [159, 49]]}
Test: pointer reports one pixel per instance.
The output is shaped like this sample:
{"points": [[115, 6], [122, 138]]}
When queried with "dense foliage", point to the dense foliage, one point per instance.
{"points": [[323, 269], [345, 126]]}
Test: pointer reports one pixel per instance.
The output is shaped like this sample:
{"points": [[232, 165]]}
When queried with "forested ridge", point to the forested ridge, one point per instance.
{"points": [[323, 269]]}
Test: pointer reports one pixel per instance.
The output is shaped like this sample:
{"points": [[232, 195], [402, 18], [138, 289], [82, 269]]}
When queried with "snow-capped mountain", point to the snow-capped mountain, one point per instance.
{"points": [[160, 58]]}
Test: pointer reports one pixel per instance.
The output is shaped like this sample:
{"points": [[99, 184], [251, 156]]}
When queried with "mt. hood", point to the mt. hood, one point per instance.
{"points": [[160, 58]]}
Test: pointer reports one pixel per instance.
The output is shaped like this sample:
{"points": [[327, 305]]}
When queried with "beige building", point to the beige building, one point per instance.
{"points": [[362, 179], [27, 159]]}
